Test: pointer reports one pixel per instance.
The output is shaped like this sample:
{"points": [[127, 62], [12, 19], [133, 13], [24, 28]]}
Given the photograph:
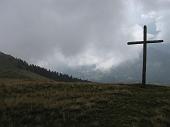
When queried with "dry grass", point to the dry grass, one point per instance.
{"points": [[48, 103]]}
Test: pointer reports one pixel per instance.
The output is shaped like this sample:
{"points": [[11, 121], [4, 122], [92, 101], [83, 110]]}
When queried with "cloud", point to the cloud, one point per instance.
{"points": [[70, 33]]}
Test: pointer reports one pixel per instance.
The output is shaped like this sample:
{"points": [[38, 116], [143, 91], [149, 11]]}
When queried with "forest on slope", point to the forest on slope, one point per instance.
{"points": [[11, 67]]}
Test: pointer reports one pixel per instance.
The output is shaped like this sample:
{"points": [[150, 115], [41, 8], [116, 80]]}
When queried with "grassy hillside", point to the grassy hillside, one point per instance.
{"points": [[9, 69], [25, 103]]}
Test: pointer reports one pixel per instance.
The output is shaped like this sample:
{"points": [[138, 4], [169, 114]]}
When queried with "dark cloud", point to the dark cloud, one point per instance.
{"points": [[36, 29], [69, 33]]}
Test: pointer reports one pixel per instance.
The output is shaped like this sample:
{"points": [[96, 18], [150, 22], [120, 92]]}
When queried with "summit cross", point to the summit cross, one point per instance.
{"points": [[144, 42]]}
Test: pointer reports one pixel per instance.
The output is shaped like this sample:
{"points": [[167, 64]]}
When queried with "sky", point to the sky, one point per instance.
{"points": [[59, 34]]}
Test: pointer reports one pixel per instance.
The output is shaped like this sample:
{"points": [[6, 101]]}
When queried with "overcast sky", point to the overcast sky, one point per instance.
{"points": [[71, 33]]}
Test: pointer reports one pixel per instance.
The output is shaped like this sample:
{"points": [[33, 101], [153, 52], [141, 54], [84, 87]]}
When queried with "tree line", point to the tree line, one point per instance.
{"points": [[47, 73]]}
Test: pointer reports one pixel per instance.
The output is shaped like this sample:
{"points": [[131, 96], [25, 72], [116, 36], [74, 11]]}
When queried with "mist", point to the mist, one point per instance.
{"points": [[65, 35]]}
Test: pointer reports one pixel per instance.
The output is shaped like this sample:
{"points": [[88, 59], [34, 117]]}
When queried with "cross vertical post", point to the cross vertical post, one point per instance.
{"points": [[144, 55]]}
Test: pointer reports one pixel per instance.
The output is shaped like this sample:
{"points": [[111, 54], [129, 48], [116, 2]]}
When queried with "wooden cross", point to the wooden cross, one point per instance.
{"points": [[144, 42]]}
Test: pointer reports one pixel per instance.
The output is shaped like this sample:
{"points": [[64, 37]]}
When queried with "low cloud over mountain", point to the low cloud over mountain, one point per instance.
{"points": [[66, 35]]}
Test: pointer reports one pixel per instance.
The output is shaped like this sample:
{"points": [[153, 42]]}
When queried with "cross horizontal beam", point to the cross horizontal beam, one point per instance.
{"points": [[142, 42]]}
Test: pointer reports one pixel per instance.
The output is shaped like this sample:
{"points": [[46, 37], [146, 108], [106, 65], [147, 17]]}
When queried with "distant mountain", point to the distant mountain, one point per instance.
{"points": [[158, 68], [11, 67]]}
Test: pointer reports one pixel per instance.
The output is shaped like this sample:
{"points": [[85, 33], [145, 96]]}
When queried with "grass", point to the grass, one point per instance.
{"points": [[26, 103]]}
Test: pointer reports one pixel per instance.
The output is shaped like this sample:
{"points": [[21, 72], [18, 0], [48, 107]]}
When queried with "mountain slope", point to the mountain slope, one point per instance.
{"points": [[11, 67]]}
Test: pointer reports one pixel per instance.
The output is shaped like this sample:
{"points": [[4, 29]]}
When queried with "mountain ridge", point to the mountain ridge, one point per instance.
{"points": [[11, 67]]}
